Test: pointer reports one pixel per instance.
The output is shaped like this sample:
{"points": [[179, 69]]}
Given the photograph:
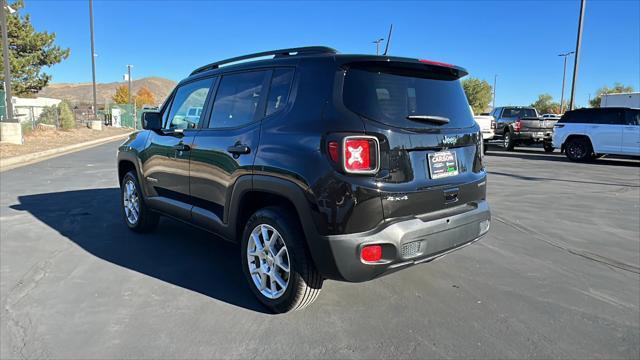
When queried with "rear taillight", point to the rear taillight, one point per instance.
{"points": [[517, 125], [360, 154], [333, 151]]}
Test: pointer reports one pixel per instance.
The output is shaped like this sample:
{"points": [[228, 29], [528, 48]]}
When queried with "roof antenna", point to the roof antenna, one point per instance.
{"points": [[386, 48]]}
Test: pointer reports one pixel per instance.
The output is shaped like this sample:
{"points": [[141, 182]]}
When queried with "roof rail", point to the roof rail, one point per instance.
{"points": [[276, 53]]}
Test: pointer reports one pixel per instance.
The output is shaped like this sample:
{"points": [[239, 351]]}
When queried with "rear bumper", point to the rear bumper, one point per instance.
{"points": [[487, 134], [409, 242], [537, 136]]}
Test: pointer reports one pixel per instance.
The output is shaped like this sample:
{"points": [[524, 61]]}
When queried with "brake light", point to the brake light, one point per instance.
{"points": [[333, 151], [371, 253], [437, 63], [360, 154], [517, 125]]}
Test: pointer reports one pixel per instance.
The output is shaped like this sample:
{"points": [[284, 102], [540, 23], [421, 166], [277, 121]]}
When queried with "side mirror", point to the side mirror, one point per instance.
{"points": [[151, 120]]}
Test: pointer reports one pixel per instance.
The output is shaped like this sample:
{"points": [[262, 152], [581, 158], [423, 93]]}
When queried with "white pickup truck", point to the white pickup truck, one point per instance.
{"points": [[487, 127]]}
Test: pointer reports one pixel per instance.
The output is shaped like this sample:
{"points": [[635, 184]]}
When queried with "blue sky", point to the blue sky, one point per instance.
{"points": [[518, 40]]}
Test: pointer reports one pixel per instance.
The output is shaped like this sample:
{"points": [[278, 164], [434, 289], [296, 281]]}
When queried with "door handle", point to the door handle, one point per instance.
{"points": [[182, 147], [238, 149]]}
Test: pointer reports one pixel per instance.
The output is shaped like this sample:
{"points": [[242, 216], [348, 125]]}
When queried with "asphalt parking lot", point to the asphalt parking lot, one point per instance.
{"points": [[558, 276]]}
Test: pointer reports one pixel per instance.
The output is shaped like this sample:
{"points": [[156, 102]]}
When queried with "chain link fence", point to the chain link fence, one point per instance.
{"points": [[123, 115]]}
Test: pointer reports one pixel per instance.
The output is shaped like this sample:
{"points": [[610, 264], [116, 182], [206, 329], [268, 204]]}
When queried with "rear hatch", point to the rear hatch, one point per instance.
{"points": [[430, 149], [535, 124]]}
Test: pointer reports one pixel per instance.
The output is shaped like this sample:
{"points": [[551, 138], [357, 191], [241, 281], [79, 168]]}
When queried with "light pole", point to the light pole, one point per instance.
{"points": [[93, 59], [564, 73], [495, 80], [129, 78], [5, 55], [377, 42], [572, 102]]}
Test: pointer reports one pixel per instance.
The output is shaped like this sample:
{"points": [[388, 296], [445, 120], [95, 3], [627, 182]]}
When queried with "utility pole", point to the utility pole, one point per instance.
{"points": [[93, 59], [7, 69], [377, 42], [129, 78], [495, 80], [572, 102], [564, 74]]}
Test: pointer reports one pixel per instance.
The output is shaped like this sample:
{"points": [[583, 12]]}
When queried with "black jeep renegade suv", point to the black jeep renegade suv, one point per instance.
{"points": [[321, 165]]}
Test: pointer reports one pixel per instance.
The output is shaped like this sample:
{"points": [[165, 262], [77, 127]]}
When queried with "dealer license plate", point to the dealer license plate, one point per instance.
{"points": [[443, 164]]}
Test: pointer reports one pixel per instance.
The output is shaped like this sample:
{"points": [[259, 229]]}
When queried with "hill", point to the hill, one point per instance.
{"points": [[81, 92]]}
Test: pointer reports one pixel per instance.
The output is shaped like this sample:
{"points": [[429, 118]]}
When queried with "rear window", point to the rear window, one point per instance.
{"points": [[390, 97], [518, 113]]}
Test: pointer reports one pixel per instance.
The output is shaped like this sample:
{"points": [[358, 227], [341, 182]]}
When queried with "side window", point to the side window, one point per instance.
{"points": [[608, 117], [279, 90], [237, 99], [187, 105], [633, 117]]}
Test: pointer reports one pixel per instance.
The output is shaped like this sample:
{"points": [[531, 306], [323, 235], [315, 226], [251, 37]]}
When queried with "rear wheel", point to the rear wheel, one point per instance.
{"points": [[578, 149], [509, 143], [135, 212], [276, 262]]}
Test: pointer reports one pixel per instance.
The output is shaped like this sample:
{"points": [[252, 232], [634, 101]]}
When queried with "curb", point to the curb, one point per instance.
{"points": [[28, 159]]}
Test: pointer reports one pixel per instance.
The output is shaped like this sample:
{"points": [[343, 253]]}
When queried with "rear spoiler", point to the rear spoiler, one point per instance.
{"points": [[405, 66]]}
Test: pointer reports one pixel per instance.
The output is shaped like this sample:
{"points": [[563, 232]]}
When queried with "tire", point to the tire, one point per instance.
{"points": [[146, 220], [302, 283], [509, 143], [578, 149], [547, 147]]}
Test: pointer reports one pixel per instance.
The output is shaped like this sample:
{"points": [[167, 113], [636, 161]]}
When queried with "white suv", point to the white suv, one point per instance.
{"points": [[584, 134]]}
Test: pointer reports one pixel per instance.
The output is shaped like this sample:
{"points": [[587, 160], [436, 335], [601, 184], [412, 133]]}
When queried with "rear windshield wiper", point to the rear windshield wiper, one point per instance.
{"points": [[440, 120]]}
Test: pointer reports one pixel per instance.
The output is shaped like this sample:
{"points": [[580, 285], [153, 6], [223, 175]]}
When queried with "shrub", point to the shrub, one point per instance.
{"points": [[49, 115], [67, 120]]}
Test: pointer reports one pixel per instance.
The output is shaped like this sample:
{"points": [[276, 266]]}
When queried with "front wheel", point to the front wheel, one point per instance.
{"points": [[276, 262], [547, 147]]}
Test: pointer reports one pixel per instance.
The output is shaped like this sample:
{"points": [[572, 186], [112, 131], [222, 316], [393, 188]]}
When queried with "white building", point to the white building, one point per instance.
{"points": [[29, 109]]}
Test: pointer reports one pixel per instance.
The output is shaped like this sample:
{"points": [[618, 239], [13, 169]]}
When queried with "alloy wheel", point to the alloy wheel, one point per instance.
{"points": [[268, 260], [131, 202]]}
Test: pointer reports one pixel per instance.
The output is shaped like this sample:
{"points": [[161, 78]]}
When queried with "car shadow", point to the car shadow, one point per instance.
{"points": [[175, 253], [532, 154]]}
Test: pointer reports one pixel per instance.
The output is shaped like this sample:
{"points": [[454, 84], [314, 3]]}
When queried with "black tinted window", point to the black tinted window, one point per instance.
{"points": [[188, 103], [518, 113], [390, 98], [569, 117], [633, 117], [609, 117], [237, 99], [279, 90]]}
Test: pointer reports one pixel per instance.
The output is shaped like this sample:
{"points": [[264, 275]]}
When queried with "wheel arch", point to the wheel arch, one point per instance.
{"points": [[576, 136], [252, 192]]}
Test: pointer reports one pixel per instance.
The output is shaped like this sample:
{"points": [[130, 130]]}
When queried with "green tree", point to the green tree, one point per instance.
{"points": [[617, 88], [29, 52], [546, 105], [49, 115], [122, 95], [67, 119], [479, 94]]}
